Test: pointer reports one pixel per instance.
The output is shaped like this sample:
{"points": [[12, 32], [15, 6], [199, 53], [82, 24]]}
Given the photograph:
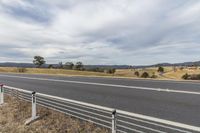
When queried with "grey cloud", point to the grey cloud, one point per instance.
{"points": [[102, 32]]}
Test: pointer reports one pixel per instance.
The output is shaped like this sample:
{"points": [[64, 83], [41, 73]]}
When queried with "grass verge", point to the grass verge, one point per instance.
{"points": [[15, 112]]}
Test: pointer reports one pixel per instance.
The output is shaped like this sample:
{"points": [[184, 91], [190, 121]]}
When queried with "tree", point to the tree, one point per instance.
{"points": [[79, 66], [60, 65], [111, 70], [145, 75], [137, 73], [39, 61], [69, 65], [160, 69], [50, 66]]}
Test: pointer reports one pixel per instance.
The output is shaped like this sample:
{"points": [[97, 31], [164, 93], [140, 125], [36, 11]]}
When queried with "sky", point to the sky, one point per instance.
{"points": [[131, 32]]}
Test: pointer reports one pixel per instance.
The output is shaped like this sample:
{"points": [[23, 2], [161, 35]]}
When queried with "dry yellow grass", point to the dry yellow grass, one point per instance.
{"points": [[119, 72], [169, 72], [131, 72], [179, 73], [14, 114], [126, 73], [53, 71]]}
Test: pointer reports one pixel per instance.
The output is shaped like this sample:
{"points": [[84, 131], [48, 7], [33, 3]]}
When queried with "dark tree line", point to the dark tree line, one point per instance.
{"points": [[39, 61]]}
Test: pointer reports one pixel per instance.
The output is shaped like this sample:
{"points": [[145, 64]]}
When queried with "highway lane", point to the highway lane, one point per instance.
{"points": [[179, 107]]}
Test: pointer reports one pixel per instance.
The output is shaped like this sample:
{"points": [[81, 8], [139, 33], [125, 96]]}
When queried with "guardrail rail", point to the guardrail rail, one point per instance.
{"points": [[117, 121]]}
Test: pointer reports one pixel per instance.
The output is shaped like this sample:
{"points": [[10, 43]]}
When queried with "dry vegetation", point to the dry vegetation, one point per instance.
{"points": [[179, 73], [169, 72], [53, 71], [14, 114]]}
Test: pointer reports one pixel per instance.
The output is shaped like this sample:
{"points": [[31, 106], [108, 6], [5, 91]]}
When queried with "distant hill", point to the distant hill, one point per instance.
{"points": [[30, 65], [197, 63], [12, 64]]}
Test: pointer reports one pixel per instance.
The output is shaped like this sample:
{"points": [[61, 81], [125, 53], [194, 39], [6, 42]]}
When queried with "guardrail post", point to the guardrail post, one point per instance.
{"points": [[1, 94], [34, 110], [114, 126], [33, 105]]}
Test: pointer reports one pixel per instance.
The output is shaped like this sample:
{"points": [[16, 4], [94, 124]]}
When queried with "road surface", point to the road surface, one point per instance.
{"points": [[147, 97]]}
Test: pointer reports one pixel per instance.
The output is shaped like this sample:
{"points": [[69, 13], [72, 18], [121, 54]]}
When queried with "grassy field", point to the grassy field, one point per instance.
{"points": [[15, 112], [131, 72], [169, 72], [52, 71], [179, 73]]}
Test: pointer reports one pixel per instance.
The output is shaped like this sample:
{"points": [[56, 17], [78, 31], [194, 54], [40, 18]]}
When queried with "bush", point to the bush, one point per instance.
{"points": [[50, 66], [111, 70], [97, 69], [181, 68], [137, 73], [154, 76], [185, 76], [191, 77], [194, 77], [161, 69], [145, 75], [21, 70]]}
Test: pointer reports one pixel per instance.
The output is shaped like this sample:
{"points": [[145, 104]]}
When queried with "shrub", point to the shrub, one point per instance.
{"points": [[137, 73], [21, 70], [97, 69], [194, 77], [145, 75], [181, 68], [50, 66], [185, 76], [111, 70], [191, 77], [161, 69], [154, 76]]}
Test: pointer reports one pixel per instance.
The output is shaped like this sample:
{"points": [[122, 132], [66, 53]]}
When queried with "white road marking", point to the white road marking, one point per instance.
{"points": [[108, 85]]}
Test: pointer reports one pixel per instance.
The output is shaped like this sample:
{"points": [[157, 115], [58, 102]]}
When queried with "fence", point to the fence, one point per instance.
{"points": [[115, 120]]}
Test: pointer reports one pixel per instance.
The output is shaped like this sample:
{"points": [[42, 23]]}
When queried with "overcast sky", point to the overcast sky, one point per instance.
{"points": [[130, 32]]}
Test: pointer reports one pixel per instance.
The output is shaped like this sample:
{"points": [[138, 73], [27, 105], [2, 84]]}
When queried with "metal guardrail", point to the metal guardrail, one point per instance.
{"points": [[115, 120]]}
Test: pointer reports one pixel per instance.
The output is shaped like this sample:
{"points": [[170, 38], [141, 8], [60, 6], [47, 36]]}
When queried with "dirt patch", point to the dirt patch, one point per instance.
{"points": [[15, 112]]}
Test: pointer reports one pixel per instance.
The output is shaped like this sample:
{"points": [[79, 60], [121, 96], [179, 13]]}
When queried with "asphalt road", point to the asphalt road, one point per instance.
{"points": [[131, 95]]}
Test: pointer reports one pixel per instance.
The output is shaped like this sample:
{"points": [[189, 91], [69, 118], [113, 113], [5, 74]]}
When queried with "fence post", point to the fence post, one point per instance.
{"points": [[114, 126], [1, 94], [34, 110]]}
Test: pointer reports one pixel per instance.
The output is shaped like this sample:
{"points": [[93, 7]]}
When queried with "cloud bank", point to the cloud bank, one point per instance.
{"points": [[100, 31]]}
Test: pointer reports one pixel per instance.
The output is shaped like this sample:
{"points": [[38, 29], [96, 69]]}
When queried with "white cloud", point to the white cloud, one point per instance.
{"points": [[100, 31]]}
